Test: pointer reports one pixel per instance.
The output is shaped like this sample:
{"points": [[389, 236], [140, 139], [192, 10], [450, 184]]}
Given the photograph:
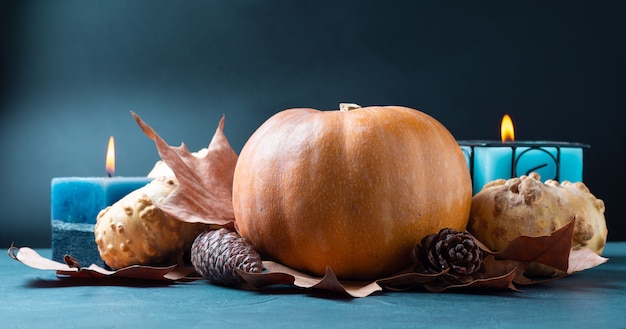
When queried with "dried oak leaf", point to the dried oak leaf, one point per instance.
{"points": [[204, 191], [31, 258]]}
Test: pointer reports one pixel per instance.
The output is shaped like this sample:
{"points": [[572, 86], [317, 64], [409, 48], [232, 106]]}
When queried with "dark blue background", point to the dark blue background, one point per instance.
{"points": [[73, 70]]}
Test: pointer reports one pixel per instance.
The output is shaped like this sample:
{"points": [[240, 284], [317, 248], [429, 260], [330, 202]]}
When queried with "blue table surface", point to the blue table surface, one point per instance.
{"points": [[31, 298]]}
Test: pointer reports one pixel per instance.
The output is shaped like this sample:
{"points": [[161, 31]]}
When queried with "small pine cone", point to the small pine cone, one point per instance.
{"points": [[216, 254], [452, 250]]}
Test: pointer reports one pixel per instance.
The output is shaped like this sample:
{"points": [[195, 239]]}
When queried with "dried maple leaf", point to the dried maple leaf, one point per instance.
{"points": [[204, 191], [552, 250]]}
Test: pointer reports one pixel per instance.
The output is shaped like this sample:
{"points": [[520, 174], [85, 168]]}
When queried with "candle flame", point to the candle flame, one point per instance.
{"points": [[506, 129], [110, 159]]}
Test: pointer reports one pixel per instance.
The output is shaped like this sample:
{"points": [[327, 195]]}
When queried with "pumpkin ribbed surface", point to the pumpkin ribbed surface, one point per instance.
{"points": [[353, 190]]}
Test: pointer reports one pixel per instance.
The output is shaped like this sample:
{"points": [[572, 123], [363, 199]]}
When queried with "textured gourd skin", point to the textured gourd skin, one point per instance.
{"points": [[134, 231], [524, 206], [353, 190]]}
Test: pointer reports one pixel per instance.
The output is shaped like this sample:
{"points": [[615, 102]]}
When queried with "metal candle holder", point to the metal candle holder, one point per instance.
{"points": [[550, 154]]}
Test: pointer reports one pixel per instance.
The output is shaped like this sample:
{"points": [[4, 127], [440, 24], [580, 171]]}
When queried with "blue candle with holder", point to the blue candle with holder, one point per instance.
{"points": [[491, 160]]}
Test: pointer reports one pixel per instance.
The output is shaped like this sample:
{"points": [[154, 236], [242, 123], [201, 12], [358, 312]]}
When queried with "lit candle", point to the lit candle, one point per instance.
{"points": [[75, 204], [491, 160]]}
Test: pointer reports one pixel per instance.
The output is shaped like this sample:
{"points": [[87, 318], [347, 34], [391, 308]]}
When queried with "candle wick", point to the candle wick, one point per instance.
{"points": [[109, 174]]}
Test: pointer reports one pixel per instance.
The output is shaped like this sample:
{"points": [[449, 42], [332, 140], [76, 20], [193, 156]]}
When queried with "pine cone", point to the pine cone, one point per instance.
{"points": [[453, 251], [216, 254]]}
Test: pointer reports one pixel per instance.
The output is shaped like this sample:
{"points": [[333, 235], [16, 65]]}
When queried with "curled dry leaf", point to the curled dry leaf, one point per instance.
{"points": [[279, 274], [204, 193], [72, 269], [582, 259], [410, 280], [500, 282]]}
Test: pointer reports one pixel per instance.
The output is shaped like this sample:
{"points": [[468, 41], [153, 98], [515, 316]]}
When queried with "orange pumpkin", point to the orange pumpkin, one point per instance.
{"points": [[354, 189]]}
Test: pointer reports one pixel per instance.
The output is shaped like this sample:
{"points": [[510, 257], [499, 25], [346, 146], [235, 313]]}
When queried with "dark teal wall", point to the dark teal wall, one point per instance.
{"points": [[73, 70]]}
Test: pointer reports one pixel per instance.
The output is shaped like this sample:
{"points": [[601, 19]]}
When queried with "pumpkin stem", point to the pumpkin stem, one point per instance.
{"points": [[345, 107]]}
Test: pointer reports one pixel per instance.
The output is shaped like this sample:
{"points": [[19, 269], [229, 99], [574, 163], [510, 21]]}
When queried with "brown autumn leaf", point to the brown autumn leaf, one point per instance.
{"points": [[408, 280], [330, 282], [581, 259], [501, 282], [204, 191], [277, 274], [552, 250], [72, 269]]}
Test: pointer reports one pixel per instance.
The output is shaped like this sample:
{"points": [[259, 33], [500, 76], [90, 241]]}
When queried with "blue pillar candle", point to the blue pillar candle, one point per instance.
{"points": [[75, 204], [491, 160]]}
